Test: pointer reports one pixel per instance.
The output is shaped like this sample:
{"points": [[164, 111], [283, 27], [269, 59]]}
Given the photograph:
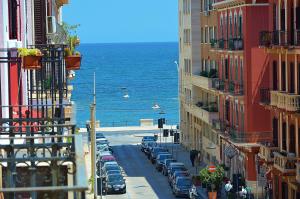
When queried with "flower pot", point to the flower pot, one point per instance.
{"points": [[212, 195], [73, 62], [32, 62]]}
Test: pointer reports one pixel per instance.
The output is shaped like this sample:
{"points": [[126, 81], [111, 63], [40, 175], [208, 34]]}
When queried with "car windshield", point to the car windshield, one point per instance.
{"points": [[164, 156], [115, 178], [183, 182], [169, 161], [113, 172], [112, 167]]}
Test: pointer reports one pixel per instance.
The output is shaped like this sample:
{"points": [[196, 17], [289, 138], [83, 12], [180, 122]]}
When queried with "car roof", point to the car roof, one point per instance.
{"points": [[105, 153], [100, 139], [111, 163], [115, 174], [176, 163], [183, 178], [163, 154], [108, 157]]}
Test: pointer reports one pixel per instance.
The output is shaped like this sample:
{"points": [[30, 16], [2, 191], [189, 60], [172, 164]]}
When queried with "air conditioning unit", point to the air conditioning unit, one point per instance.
{"points": [[51, 25]]}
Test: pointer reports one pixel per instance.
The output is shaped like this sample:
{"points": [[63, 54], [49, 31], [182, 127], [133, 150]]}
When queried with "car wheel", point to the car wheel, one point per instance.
{"points": [[124, 191]]}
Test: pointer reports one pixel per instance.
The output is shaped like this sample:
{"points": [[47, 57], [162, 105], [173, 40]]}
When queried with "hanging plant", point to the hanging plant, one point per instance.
{"points": [[72, 57], [31, 58]]}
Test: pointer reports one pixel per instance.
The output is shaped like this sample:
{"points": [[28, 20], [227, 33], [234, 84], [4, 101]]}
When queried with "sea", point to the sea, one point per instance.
{"points": [[130, 78]]}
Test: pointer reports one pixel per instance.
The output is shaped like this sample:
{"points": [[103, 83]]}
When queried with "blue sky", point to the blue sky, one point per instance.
{"points": [[106, 21]]}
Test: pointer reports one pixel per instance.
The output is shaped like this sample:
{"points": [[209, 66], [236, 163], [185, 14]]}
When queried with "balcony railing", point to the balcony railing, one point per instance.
{"points": [[212, 73], [285, 101], [219, 125], [267, 152], [279, 38], [235, 88], [284, 163], [236, 44], [298, 172], [231, 44], [218, 84]]}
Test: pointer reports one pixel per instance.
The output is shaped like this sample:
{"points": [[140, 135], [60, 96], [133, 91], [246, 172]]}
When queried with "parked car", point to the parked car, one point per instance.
{"points": [[176, 174], [115, 184], [155, 151], [111, 172], [165, 165], [181, 186], [176, 166], [107, 158], [148, 138], [102, 154], [194, 192], [149, 147], [160, 159], [102, 141], [99, 135]]}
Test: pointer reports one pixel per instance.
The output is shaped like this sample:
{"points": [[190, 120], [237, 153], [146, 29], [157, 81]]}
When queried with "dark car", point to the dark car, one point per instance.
{"points": [[115, 184], [181, 186], [176, 166], [155, 151], [160, 159], [99, 135], [148, 148], [165, 165], [176, 174], [147, 145]]}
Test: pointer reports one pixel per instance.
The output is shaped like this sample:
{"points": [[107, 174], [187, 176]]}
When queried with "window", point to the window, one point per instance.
{"points": [[187, 36], [206, 35], [230, 25], [231, 68], [240, 26], [221, 26], [202, 35], [236, 72], [187, 66], [186, 7], [235, 25], [242, 70], [211, 34], [13, 19], [226, 69]]}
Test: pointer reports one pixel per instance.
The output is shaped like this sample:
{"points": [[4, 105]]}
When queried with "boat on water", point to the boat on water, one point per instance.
{"points": [[126, 96], [155, 106]]}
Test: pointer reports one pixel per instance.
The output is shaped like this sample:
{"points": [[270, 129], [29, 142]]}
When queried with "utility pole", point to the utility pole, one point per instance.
{"points": [[93, 142]]}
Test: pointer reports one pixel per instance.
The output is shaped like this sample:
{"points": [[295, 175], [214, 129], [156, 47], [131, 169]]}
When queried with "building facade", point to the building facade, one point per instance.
{"points": [[279, 45], [35, 106]]}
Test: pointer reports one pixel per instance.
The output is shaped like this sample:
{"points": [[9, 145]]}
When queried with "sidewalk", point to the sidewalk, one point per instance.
{"points": [[183, 155]]}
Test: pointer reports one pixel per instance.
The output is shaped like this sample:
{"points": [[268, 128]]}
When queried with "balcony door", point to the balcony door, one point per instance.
{"points": [[292, 78], [275, 76], [292, 139], [283, 141], [275, 131], [292, 34], [283, 77]]}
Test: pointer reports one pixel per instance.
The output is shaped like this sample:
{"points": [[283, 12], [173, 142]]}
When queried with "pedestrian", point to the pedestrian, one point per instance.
{"points": [[193, 154]]}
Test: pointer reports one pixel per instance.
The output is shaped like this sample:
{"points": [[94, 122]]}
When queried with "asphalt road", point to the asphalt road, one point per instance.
{"points": [[142, 179]]}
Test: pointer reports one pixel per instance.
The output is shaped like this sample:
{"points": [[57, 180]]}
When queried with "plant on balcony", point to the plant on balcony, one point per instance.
{"points": [[204, 73], [31, 58], [213, 180], [212, 73], [199, 104], [72, 57]]}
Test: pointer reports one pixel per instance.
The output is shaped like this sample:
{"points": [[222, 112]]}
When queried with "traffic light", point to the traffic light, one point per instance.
{"points": [[161, 122], [176, 138], [166, 133]]}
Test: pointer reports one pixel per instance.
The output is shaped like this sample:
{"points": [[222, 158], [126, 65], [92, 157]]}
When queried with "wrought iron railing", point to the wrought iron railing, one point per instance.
{"points": [[236, 44], [235, 88], [279, 38], [218, 84]]}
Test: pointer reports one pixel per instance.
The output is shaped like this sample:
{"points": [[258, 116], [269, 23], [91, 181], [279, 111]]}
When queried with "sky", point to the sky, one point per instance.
{"points": [[117, 21]]}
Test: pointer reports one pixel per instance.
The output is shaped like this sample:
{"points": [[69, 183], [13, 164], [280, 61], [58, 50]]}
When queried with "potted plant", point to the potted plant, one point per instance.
{"points": [[72, 57], [212, 179], [31, 58]]}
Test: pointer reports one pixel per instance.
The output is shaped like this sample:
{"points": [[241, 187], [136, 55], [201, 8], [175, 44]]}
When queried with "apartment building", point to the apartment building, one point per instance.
{"points": [[280, 50], [34, 106], [243, 123]]}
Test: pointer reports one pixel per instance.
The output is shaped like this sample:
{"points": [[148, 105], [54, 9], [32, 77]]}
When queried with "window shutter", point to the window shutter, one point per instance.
{"points": [[40, 21]]}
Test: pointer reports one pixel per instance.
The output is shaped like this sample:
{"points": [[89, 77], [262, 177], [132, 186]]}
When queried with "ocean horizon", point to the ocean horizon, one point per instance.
{"points": [[130, 79]]}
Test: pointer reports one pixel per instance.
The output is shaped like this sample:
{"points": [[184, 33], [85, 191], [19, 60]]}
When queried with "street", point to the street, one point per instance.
{"points": [[142, 180]]}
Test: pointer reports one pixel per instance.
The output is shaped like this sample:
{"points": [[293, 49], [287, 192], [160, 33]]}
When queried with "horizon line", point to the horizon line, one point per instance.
{"points": [[130, 42]]}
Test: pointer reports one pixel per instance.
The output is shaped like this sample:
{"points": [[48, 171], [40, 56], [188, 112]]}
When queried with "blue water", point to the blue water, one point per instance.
{"points": [[146, 70]]}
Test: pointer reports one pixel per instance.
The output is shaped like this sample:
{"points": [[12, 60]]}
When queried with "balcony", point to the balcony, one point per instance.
{"points": [[61, 2], [206, 112], [204, 80], [236, 44], [235, 88], [221, 4], [218, 43], [286, 101], [284, 163], [279, 38], [267, 152], [218, 84], [298, 172]]}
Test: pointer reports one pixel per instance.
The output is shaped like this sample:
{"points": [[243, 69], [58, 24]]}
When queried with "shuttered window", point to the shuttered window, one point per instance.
{"points": [[40, 21], [13, 19]]}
